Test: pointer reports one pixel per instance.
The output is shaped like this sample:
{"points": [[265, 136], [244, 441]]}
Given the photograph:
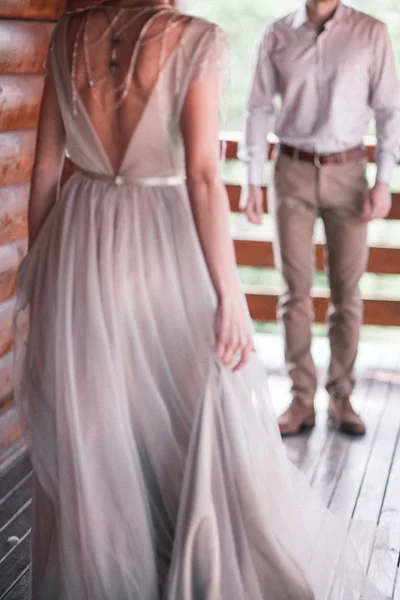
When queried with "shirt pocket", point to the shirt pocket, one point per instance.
{"points": [[352, 75]]}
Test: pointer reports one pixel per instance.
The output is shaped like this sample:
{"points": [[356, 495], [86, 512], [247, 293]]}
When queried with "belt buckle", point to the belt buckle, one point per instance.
{"points": [[317, 161]]}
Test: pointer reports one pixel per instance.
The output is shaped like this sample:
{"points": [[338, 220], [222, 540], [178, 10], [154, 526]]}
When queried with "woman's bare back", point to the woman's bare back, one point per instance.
{"points": [[116, 54]]}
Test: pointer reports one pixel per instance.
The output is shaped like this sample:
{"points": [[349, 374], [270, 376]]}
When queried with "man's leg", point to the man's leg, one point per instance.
{"points": [[292, 202], [342, 192]]}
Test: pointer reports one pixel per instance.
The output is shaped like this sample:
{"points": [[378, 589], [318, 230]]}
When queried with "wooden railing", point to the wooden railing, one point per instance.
{"points": [[379, 310]]}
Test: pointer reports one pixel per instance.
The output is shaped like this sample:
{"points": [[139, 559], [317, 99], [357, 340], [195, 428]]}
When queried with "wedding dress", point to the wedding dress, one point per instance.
{"points": [[159, 473]]}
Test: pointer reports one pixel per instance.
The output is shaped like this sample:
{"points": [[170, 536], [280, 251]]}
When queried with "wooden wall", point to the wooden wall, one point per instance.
{"points": [[25, 31]]}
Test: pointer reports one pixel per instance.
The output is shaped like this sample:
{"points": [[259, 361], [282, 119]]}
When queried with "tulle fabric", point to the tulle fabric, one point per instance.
{"points": [[164, 471], [160, 474]]}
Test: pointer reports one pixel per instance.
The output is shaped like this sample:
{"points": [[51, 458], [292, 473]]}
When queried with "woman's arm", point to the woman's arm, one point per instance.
{"points": [[49, 158], [210, 207]]}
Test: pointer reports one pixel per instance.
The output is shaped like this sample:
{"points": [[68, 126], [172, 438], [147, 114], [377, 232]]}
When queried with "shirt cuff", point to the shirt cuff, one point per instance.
{"points": [[244, 197], [253, 175], [385, 169]]}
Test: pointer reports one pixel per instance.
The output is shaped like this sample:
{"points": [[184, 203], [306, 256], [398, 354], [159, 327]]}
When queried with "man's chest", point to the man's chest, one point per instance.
{"points": [[334, 56]]}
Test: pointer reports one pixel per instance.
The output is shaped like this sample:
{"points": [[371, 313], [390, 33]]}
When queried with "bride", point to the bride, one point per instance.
{"points": [[159, 469]]}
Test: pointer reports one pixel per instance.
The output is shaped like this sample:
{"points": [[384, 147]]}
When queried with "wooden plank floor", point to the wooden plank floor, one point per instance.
{"points": [[358, 479]]}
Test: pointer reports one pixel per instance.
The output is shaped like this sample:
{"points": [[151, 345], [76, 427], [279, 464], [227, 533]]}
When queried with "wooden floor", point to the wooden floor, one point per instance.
{"points": [[357, 478]]}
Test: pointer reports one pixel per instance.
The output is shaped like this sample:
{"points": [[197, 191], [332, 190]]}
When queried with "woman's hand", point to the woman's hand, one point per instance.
{"points": [[234, 335]]}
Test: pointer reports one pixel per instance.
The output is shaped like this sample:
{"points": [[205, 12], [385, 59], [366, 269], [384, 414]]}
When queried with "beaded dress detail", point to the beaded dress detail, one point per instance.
{"points": [[160, 475]]}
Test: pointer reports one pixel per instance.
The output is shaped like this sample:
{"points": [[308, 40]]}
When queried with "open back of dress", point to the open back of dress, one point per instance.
{"points": [[116, 58], [127, 121]]}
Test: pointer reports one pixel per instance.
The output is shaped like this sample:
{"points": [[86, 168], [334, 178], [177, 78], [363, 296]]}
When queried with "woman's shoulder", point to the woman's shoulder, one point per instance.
{"points": [[199, 31], [196, 24], [205, 35], [205, 27]]}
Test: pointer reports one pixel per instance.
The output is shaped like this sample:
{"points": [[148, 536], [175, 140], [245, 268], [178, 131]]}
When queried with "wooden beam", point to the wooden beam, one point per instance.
{"points": [[13, 212], [20, 97], [234, 198], [6, 375], [32, 9], [6, 336], [262, 304], [10, 259], [23, 47], [259, 253], [17, 151]]}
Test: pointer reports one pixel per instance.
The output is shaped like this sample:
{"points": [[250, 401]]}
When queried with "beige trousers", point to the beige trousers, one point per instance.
{"points": [[298, 194]]}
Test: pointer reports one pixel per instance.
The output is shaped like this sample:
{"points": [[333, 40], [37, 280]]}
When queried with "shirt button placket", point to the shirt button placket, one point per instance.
{"points": [[320, 109], [321, 85]]}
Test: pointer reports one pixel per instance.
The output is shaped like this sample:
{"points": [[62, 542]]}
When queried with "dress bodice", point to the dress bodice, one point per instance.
{"points": [[156, 147]]}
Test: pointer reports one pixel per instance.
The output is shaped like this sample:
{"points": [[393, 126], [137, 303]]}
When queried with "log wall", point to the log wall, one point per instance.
{"points": [[25, 30]]}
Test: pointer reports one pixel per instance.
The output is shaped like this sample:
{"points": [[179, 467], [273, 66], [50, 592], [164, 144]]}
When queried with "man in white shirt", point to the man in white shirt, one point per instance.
{"points": [[333, 68]]}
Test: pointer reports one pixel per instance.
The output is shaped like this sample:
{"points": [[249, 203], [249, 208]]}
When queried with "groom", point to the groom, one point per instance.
{"points": [[333, 67]]}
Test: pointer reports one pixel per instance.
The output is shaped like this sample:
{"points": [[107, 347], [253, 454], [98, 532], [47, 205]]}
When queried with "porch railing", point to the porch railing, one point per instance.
{"points": [[379, 309]]}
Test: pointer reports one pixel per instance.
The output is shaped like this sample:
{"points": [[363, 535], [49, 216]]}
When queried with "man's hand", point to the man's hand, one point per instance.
{"points": [[254, 206], [378, 202]]}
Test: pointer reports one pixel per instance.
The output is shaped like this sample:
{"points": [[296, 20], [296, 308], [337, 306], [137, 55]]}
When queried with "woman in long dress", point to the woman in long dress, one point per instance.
{"points": [[159, 469]]}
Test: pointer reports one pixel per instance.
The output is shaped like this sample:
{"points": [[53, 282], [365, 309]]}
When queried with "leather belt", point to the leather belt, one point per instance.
{"points": [[319, 160]]}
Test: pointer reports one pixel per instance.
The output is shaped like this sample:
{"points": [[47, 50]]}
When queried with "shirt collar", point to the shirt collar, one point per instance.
{"points": [[300, 17]]}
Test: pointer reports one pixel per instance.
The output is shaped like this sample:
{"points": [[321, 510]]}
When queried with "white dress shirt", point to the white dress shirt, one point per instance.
{"points": [[330, 86]]}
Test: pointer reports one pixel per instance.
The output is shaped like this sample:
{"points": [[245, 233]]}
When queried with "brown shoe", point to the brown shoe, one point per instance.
{"points": [[344, 417], [296, 418]]}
